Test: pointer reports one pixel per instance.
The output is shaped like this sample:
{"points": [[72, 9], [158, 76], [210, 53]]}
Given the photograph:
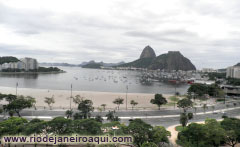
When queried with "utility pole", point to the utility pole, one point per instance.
{"points": [[71, 98], [16, 88], [126, 96]]}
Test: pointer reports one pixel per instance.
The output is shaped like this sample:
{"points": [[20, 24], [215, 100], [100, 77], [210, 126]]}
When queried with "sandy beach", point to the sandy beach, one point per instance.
{"points": [[62, 100]]}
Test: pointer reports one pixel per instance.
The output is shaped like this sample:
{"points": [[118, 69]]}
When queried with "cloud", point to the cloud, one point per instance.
{"points": [[73, 31]]}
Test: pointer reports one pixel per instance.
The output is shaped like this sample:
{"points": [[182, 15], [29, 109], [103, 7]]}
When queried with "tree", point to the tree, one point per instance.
{"points": [[104, 106], [19, 104], [12, 126], [49, 101], [190, 116], [140, 131], [86, 107], [205, 107], [232, 129], [118, 102], [183, 119], [185, 104], [149, 144], [99, 118], [159, 100], [133, 103], [198, 89], [35, 126], [69, 113], [87, 127], [78, 99], [160, 135], [60, 126], [111, 116]]}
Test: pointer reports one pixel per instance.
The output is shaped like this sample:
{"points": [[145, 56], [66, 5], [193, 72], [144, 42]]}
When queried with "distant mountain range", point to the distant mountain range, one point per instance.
{"points": [[173, 60], [90, 64]]}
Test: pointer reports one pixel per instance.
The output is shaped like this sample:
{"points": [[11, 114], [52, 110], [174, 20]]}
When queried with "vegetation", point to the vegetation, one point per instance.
{"points": [[85, 107], [8, 59], [233, 81], [104, 106], [92, 65], [47, 69], [49, 101], [214, 76], [174, 99], [118, 102], [212, 133], [112, 117], [159, 100], [17, 104], [200, 90], [133, 103], [185, 104]]}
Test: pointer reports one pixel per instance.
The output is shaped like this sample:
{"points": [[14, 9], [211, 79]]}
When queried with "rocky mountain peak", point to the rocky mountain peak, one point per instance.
{"points": [[148, 52]]}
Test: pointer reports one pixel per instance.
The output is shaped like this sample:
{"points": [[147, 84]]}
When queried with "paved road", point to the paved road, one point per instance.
{"points": [[163, 117]]}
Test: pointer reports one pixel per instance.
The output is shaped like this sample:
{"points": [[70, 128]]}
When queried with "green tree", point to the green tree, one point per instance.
{"points": [[99, 118], [19, 104], [12, 126], [140, 131], [86, 107], [49, 101], [133, 103], [159, 100], [87, 127], [160, 135], [60, 126], [183, 119], [78, 99], [198, 89], [111, 116], [185, 104], [118, 102], [232, 129], [69, 113], [35, 126], [149, 144]]}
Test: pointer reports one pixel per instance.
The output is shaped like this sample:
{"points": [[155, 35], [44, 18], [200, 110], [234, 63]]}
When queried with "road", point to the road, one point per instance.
{"points": [[164, 118]]}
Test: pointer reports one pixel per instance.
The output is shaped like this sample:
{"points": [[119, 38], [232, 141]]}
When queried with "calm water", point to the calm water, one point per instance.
{"points": [[90, 80]]}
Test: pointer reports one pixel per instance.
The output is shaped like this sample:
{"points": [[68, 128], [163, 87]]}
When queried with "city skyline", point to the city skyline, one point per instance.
{"points": [[112, 31]]}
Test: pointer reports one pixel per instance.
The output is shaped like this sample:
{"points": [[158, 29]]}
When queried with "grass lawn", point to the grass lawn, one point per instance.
{"points": [[179, 128]]}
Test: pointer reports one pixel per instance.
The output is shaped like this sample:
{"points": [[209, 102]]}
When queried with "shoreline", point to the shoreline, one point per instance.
{"points": [[62, 97]]}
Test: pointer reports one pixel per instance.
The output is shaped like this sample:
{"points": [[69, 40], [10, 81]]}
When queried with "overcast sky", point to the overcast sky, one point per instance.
{"points": [[205, 31]]}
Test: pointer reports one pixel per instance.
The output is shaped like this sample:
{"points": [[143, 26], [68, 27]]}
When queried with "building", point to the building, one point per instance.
{"points": [[30, 63], [231, 90], [233, 72], [208, 70], [26, 64]]}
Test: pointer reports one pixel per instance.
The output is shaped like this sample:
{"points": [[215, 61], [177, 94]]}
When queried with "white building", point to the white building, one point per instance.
{"points": [[233, 72], [208, 70], [30, 63], [24, 63]]}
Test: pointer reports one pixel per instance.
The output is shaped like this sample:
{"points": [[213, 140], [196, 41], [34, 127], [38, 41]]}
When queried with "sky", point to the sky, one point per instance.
{"points": [[72, 31]]}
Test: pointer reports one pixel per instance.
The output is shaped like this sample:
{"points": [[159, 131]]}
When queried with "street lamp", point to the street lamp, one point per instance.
{"points": [[16, 88], [71, 98], [126, 96]]}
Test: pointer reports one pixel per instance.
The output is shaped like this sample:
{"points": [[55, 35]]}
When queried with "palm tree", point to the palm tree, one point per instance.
{"points": [[78, 99], [69, 113], [118, 102], [49, 101], [104, 106], [133, 103]]}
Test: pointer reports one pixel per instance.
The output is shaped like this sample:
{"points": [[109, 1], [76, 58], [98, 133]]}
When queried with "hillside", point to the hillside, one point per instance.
{"points": [[173, 60], [8, 59]]}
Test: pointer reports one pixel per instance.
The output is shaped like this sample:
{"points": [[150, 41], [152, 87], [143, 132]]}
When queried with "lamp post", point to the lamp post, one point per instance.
{"points": [[16, 88], [126, 96], [71, 98]]}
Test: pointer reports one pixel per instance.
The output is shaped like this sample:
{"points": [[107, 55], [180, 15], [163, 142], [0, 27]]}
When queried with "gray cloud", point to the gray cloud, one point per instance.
{"points": [[126, 29]]}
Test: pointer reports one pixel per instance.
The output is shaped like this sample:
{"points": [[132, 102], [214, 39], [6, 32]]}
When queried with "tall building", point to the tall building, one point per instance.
{"points": [[233, 72], [29, 63]]}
